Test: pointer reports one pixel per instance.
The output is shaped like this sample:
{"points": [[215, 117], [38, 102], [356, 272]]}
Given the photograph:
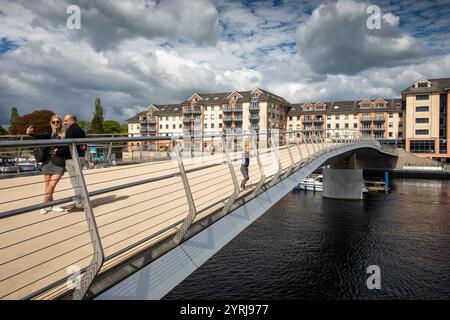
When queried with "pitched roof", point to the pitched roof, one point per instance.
{"points": [[436, 85], [351, 106]]}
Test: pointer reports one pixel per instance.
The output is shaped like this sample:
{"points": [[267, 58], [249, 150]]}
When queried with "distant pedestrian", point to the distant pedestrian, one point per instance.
{"points": [[73, 131], [244, 166], [53, 164]]}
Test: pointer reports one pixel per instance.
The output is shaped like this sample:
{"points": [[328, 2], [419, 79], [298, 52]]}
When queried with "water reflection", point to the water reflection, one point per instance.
{"points": [[308, 247]]}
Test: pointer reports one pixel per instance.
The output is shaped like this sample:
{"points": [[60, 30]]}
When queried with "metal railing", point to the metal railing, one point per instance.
{"points": [[128, 208]]}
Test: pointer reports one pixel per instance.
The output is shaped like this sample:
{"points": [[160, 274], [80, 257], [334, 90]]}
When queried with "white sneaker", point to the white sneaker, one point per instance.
{"points": [[43, 211], [57, 209]]}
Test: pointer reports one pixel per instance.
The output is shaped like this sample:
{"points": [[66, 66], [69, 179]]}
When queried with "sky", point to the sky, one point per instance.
{"points": [[135, 53]]}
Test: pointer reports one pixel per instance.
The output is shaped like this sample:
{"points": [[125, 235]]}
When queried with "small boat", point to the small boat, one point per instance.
{"points": [[374, 185], [7, 165], [26, 165], [312, 183]]}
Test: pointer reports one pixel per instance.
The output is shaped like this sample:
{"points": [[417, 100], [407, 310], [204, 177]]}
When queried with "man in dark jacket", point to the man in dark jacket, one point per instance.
{"points": [[244, 166], [73, 131]]}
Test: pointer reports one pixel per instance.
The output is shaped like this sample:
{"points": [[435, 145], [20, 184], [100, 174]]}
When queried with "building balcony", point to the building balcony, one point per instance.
{"points": [[307, 120], [152, 129], [378, 128], [254, 106], [143, 129], [366, 128], [307, 129], [197, 111], [378, 118], [143, 122], [317, 120], [152, 121], [238, 118], [366, 118], [227, 119], [227, 109], [238, 109], [187, 111], [254, 117]]}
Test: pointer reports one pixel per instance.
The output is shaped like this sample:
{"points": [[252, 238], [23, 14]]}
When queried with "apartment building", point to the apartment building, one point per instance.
{"points": [[381, 118], [427, 118], [156, 120]]}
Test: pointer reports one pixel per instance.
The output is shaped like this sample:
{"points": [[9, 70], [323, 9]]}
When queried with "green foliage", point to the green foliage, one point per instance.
{"points": [[85, 125], [111, 126], [97, 120], [3, 131], [124, 128]]}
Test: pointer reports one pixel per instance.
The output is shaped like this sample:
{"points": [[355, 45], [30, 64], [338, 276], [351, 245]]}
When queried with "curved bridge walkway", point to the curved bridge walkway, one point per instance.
{"points": [[130, 209]]}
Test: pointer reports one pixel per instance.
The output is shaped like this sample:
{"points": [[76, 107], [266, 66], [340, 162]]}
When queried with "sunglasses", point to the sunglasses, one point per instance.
{"points": [[55, 122]]}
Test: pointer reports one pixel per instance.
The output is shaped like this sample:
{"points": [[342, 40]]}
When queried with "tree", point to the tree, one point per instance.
{"points": [[124, 128], [85, 125], [14, 115], [40, 120], [3, 131], [97, 120], [111, 126]]}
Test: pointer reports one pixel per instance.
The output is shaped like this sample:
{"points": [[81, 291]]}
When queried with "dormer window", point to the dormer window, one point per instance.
{"points": [[380, 105], [422, 85], [365, 106]]}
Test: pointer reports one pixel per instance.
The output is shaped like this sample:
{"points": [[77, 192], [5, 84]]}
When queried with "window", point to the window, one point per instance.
{"points": [[212, 125], [160, 126], [422, 85], [329, 125], [390, 134], [180, 126], [400, 134], [400, 114], [329, 117], [337, 125], [365, 106], [346, 126], [380, 105], [391, 115], [174, 126], [355, 125], [346, 117], [206, 125], [336, 117], [421, 146], [212, 117], [422, 131], [422, 97], [220, 125], [131, 127], [391, 125], [298, 117], [290, 118], [220, 116], [167, 126], [167, 118], [422, 109], [400, 124], [422, 120]]}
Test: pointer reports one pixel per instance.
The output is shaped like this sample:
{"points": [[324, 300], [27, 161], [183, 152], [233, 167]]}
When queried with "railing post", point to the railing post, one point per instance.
{"points": [[300, 160], [98, 256], [140, 151], [187, 189], [261, 170], [276, 178], [18, 156], [312, 144], [305, 140], [291, 158], [109, 153], [235, 194]]}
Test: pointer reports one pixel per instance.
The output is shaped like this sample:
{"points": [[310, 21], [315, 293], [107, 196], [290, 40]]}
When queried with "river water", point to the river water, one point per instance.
{"points": [[309, 247]]}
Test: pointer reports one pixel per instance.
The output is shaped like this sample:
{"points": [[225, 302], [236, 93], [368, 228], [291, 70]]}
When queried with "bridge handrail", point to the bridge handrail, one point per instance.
{"points": [[321, 141]]}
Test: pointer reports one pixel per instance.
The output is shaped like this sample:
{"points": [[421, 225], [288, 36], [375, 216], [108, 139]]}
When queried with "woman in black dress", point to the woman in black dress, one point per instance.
{"points": [[53, 168]]}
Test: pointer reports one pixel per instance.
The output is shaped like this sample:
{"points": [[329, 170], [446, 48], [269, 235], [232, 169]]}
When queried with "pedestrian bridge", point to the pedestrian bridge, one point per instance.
{"points": [[147, 226]]}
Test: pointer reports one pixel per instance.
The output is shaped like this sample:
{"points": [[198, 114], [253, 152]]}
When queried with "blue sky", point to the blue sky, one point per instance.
{"points": [[135, 53]]}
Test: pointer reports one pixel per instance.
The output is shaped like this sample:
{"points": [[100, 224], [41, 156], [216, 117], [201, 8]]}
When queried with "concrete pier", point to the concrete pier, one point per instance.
{"points": [[343, 183]]}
